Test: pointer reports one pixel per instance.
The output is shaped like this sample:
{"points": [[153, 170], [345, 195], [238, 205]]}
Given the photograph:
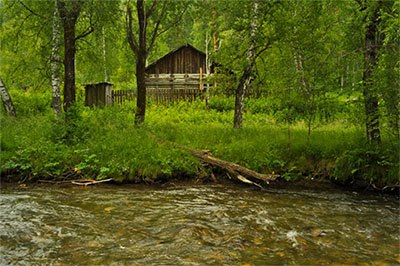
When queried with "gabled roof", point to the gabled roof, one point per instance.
{"points": [[174, 51]]}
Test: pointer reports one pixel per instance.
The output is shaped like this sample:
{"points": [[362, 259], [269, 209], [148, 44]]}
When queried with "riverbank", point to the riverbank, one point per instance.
{"points": [[300, 185], [103, 143]]}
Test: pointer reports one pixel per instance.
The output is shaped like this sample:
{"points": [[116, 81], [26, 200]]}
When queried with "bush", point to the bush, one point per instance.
{"points": [[222, 104], [368, 165], [30, 102]]}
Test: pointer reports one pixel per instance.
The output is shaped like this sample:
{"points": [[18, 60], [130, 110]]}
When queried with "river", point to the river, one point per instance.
{"points": [[196, 225]]}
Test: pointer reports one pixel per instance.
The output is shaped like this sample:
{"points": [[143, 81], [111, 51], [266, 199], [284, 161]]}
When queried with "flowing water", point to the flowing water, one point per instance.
{"points": [[196, 225]]}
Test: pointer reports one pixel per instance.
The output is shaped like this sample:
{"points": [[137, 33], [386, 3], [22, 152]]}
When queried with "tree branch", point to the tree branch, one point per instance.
{"points": [[129, 34], [154, 35], [90, 28], [174, 22], [268, 45], [30, 10], [85, 33], [152, 8]]}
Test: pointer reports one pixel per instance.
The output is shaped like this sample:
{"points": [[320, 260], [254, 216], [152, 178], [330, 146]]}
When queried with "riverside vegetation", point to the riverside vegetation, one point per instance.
{"points": [[103, 143], [314, 83]]}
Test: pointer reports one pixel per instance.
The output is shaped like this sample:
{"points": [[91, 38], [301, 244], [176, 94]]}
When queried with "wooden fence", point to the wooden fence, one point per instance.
{"points": [[120, 96], [158, 95]]}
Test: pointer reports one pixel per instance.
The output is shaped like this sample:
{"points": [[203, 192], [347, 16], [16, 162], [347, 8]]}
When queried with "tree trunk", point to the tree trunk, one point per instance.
{"points": [[55, 63], [69, 18], [373, 41], [69, 65], [106, 78], [141, 56], [6, 99], [246, 77], [307, 91], [244, 82], [139, 45], [208, 70], [141, 90]]}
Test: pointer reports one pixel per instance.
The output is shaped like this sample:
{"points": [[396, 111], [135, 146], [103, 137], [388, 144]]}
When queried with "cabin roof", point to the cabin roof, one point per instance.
{"points": [[174, 51]]}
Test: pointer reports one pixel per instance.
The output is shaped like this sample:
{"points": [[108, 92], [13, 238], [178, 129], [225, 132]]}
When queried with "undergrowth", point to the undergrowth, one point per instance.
{"points": [[103, 142]]}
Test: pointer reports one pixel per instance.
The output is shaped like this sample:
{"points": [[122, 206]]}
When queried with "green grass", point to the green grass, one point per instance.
{"points": [[103, 143]]}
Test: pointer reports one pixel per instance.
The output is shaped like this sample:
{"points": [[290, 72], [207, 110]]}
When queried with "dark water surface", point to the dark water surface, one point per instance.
{"points": [[196, 225]]}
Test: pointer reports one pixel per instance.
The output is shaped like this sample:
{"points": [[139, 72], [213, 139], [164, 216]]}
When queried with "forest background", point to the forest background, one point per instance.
{"points": [[313, 89]]}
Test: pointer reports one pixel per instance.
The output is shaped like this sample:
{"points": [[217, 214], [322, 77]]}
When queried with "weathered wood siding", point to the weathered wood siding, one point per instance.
{"points": [[99, 94], [185, 59]]}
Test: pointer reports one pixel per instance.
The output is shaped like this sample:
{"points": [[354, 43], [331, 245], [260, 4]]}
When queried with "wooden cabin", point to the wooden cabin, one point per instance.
{"points": [[179, 75], [182, 69]]}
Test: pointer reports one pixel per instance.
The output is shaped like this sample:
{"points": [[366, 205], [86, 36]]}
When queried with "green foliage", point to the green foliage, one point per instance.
{"points": [[309, 79], [222, 104], [101, 143], [28, 102], [369, 165]]}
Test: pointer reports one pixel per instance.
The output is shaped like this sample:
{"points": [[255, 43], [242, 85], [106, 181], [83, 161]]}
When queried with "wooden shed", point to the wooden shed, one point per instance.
{"points": [[182, 69], [98, 94]]}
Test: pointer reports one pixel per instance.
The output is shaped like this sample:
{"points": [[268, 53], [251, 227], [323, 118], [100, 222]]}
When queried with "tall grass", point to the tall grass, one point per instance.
{"points": [[103, 142]]}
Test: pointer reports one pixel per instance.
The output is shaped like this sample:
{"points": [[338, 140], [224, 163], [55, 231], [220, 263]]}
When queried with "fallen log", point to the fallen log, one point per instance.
{"points": [[241, 173]]}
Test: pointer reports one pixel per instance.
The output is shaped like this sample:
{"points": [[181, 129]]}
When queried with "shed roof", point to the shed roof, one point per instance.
{"points": [[175, 51]]}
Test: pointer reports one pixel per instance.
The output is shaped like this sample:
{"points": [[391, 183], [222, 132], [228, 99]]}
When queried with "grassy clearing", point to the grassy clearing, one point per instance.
{"points": [[103, 143]]}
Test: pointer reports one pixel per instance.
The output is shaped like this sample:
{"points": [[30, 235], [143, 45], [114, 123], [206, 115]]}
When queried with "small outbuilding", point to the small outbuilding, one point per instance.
{"points": [[98, 94]]}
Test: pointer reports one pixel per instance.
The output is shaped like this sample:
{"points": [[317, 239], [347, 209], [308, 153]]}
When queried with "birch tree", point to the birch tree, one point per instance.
{"points": [[246, 77], [55, 62], [6, 99]]}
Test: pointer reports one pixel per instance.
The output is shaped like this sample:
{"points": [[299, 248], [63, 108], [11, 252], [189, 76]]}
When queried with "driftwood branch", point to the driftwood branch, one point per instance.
{"points": [[90, 182]]}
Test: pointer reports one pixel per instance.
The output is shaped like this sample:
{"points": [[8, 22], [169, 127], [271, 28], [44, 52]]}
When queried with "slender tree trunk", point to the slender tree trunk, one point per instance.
{"points": [[69, 16], [373, 41], [139, 45], [6, 99], [69, 65], [246, 77], [244, 82], [106, 78], [141, 90], [141, 56], [55, 62], [289, 123], [307, 91], [208, 70], [215, 41]]}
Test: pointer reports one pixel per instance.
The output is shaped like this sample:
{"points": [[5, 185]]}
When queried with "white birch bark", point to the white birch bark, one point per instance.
{"points": [[208, 70], [245, 79], [6, 99], [56, 62], [104, 55]]}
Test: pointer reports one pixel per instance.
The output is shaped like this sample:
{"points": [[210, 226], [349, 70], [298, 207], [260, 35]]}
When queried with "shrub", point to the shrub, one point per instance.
{"points": [[368, 165]]}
